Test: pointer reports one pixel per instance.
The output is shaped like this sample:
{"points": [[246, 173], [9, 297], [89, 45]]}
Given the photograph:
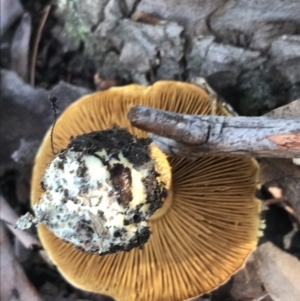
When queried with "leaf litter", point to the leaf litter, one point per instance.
{"points": [[272, 271]]}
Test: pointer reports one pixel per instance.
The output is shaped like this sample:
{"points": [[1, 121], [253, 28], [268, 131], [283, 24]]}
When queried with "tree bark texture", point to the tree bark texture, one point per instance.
{"points": [[249, 51], [194, 136]]}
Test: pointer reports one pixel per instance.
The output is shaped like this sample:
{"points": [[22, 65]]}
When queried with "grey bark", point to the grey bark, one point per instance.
{"points": [[195, 136], [249, 51]]}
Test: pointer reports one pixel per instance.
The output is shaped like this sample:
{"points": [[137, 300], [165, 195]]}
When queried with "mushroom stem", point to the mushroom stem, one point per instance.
{"points": [[100, 192], [162, 166]]}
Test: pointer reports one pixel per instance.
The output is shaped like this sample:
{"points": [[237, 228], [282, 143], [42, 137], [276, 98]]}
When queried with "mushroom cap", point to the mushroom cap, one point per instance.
{"points": [[204, 237]]}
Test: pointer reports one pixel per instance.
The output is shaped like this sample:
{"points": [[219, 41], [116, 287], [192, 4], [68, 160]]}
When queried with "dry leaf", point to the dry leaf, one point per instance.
{"points": [[290, 110], [10, 11], [14, 283], [21, 46], [279, 272], [245, 285]]}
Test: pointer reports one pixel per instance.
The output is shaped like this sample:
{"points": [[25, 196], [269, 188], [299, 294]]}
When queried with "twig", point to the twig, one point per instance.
{"points": [[261, 297], [274, 201], [9, 217], [54, 107], [289, 209], [283, 203], [194, 136], [36, 44]]}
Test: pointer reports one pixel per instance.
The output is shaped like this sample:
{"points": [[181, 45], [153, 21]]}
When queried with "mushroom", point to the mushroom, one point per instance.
{"points": [[100, 191], [203, 233]]}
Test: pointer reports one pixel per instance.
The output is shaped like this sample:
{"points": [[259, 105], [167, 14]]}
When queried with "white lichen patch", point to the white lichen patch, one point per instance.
{"points": [[98, 202]]}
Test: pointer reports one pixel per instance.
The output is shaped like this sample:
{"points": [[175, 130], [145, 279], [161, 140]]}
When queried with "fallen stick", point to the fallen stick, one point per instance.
{"points": [[193, 136]]}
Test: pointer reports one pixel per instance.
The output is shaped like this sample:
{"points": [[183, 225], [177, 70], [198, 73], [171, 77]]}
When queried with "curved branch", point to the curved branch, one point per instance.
{"points": [[194, 136]]}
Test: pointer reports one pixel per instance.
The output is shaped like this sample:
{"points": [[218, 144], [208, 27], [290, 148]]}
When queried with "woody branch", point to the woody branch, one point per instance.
{"points": [[193, 136]]}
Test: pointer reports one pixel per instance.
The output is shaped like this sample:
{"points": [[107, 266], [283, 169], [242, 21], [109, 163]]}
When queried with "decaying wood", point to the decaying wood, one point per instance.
{"points": [[193, 136]]}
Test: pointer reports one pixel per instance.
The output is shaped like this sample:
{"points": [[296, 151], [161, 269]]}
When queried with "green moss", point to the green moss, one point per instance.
{"points": [[75, 26]]}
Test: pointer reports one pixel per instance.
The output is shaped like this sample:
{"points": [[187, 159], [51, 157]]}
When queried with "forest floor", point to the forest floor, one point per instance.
{"points": [[38, 59]]}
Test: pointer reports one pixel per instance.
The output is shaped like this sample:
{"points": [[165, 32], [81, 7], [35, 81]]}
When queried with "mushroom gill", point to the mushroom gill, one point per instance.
{"points": [[204, 234]]}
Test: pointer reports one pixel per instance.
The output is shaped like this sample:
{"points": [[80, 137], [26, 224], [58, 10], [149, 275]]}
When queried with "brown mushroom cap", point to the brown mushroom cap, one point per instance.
{"points": [[204, 237]]}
